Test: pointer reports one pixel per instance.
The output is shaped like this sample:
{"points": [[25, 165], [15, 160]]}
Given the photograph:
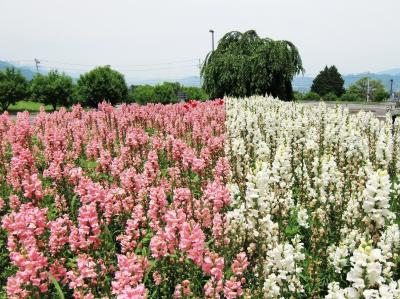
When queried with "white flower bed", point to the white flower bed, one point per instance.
{"points": [[315, 197]]}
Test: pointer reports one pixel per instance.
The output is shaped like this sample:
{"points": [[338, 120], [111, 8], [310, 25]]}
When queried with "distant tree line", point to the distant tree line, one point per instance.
{"points": [[100, 84], [165, 93], [328, 85]]}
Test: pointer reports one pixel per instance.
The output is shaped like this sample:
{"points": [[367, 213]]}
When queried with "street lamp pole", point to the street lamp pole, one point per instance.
{"points": [[212, 38]]}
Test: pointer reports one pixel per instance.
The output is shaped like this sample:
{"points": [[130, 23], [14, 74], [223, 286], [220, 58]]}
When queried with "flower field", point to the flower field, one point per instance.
{"points": [[233, 198]]}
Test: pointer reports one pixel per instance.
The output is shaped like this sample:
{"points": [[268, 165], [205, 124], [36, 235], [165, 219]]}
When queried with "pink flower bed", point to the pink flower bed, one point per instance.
{"points": [[125, 203]]}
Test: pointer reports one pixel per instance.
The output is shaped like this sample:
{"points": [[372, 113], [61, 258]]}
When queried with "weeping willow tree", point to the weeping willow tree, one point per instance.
{"points": [[245, 64]]}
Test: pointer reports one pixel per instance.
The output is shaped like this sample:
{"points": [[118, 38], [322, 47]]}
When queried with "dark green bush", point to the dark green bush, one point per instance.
{"points": [[311, 96], [330, 97]]}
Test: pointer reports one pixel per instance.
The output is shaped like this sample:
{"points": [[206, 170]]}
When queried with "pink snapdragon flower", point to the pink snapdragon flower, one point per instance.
{"points": [[59, 233], [158, 246], [213, 265], [240, 264], [25, 226], [157, 207], [157, 278], [213, 288], [192, 241], [186, 287], [31, 273], [132, 230], [32, 187], [138, 292], [14, 202], [233, 289], [87, 235], [131, 269], [84, 276], [178, 291]]}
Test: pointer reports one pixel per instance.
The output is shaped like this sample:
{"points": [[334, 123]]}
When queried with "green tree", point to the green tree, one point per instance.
{"points": [[350, 97], [311, 96], [54, 89], [13, 87], [376, 89], [166, 93], [195, 93], [142, 94], [329, 80], [330, 97], [101, 84], [298, 96], [245, 64]]}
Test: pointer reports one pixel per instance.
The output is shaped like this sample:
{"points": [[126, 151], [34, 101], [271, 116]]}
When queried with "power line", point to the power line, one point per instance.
{"points": [[69, 67], [122, 70], [132, 65]]}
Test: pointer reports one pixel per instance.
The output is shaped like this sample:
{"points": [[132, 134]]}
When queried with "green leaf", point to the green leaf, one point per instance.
{"points": [[60, 293]]}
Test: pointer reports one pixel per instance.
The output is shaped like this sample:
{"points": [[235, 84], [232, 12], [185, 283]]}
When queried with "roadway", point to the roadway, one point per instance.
{"points": [[380, 109]]}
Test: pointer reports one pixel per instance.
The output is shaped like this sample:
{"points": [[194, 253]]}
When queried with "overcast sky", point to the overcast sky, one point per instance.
{"points": [[166, 38]]}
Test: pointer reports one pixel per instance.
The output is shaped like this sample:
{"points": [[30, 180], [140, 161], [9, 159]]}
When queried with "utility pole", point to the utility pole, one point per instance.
{"points": [[367, 89], [391, 89], [37, 65], [212, 38], [200, 70]]}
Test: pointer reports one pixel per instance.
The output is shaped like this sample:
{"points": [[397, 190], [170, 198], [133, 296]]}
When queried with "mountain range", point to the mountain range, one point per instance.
{"points": [[300, 83]]}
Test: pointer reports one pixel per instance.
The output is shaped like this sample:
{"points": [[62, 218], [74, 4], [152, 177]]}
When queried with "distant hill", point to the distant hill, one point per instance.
{"points": [[302, 83], [391, 72]]}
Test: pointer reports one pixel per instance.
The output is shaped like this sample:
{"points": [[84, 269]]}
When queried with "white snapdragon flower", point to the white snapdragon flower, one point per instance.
{"points": [[302, 218], [338, 257], [335, 292], [366, 267], [282, 264], [376, 198], [271, 287]]}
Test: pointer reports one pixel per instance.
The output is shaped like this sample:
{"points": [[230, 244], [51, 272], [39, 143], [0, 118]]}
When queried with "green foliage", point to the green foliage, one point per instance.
{"points": [[350, 97], [101, 84], [245, 64], [60, 294], [298, 96], [142, 94], [195, 93], [311, 96], [13, 87], [381, 95], [164, 93], [376, 90], [55, 89], [330, 97], [329, 80], [28, 106]]}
